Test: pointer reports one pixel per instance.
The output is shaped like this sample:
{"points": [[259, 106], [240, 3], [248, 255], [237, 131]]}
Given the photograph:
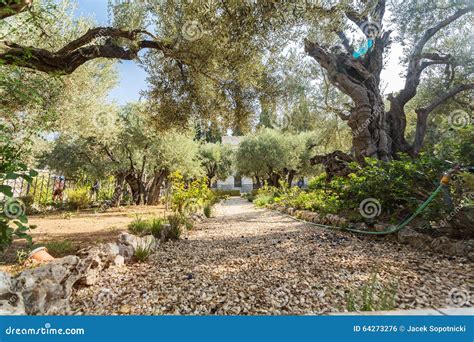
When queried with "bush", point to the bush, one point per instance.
{"points": [[400, 186], [176, 222], [224, 193], [263, 200], [207, 209], [188, 197], [139, 227], [155, 227], [78, 198]]}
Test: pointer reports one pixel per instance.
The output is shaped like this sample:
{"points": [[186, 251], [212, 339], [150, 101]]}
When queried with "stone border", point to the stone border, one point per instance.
{"points": [[45, 290], [409, 236]]}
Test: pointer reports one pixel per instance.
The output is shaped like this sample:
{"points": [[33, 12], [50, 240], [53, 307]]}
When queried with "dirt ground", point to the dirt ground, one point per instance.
{"points": [[82, 228]]}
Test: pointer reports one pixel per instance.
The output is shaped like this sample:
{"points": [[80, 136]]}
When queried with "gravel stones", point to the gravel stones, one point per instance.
{"points": [[279, 266]]}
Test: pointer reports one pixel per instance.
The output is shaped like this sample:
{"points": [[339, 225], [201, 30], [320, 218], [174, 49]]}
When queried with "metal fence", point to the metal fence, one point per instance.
{"points": [[42, 187]]}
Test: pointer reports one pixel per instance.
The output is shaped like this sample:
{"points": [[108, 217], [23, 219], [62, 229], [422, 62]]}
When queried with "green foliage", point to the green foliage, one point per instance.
{"points": [[216, 160], [207, 209], [177, 222], [226, 193], [270, 155], [187, 197], [400, 186], [78, 198], [141, 227], [142, 252], [156, 226], [59, 249], [13, 220], [372, 296], [22, 255]]}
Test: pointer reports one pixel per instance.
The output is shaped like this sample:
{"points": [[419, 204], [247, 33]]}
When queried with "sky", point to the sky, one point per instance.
{"points": [[133, 78]]}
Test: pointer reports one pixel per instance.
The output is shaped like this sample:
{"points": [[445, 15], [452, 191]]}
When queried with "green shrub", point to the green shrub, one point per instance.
{"points": [[155, 227], [78, 198], [62, 248], [142, 253], [139, 226], [176, 222], [400, 186], [372, 296], [224, 193], [207, 209], [263, 200], [188, 197]]}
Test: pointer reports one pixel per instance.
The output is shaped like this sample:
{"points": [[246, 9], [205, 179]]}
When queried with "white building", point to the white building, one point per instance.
{"points": [[235, 182]]}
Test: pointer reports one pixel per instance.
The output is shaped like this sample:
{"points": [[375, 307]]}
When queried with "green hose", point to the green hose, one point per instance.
{"points": [[395, 229]]}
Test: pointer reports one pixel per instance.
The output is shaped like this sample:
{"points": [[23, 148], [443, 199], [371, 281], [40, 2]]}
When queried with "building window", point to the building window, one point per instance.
{"points": [[237, 181]]}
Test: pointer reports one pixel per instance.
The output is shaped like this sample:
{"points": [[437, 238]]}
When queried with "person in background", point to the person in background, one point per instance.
{"points": [[58, 189], [95, 190]]}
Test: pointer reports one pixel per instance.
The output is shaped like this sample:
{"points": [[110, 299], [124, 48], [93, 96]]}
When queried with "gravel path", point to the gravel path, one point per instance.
{"points": [[255, 261]]}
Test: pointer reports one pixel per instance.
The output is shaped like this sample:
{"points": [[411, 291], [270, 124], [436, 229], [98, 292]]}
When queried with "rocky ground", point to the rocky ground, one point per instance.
{"points": [[255, 261]]}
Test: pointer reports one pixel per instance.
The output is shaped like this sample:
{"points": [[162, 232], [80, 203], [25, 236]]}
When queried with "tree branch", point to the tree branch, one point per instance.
{"points": [[78, 52], [415, 67], [9, 8], [422, 113]]}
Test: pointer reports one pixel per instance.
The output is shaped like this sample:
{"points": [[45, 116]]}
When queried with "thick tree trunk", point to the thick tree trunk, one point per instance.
{"points": [[118, 191], [369, 127], [258, 183], [137, 187], [291, 176], [359, 79], [335, 163], [153, 197]]}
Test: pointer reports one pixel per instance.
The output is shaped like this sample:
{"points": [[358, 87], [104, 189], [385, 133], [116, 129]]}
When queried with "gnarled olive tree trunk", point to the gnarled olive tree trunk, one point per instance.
{"points": [[153, 195], [378, 133]]}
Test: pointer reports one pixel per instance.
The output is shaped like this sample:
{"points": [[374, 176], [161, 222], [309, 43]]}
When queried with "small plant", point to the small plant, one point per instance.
{"points": [[138, 226], [207, 209], [142, 253], [60, 248], [66, 216], [176, 222], [372, 296], [155, 227], [21, 256]]}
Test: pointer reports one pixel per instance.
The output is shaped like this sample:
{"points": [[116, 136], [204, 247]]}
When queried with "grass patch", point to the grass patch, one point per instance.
{"points": [[141, 227], [59, 249], [372, 296], [176, 222], [142, 253], [155, 227]]}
